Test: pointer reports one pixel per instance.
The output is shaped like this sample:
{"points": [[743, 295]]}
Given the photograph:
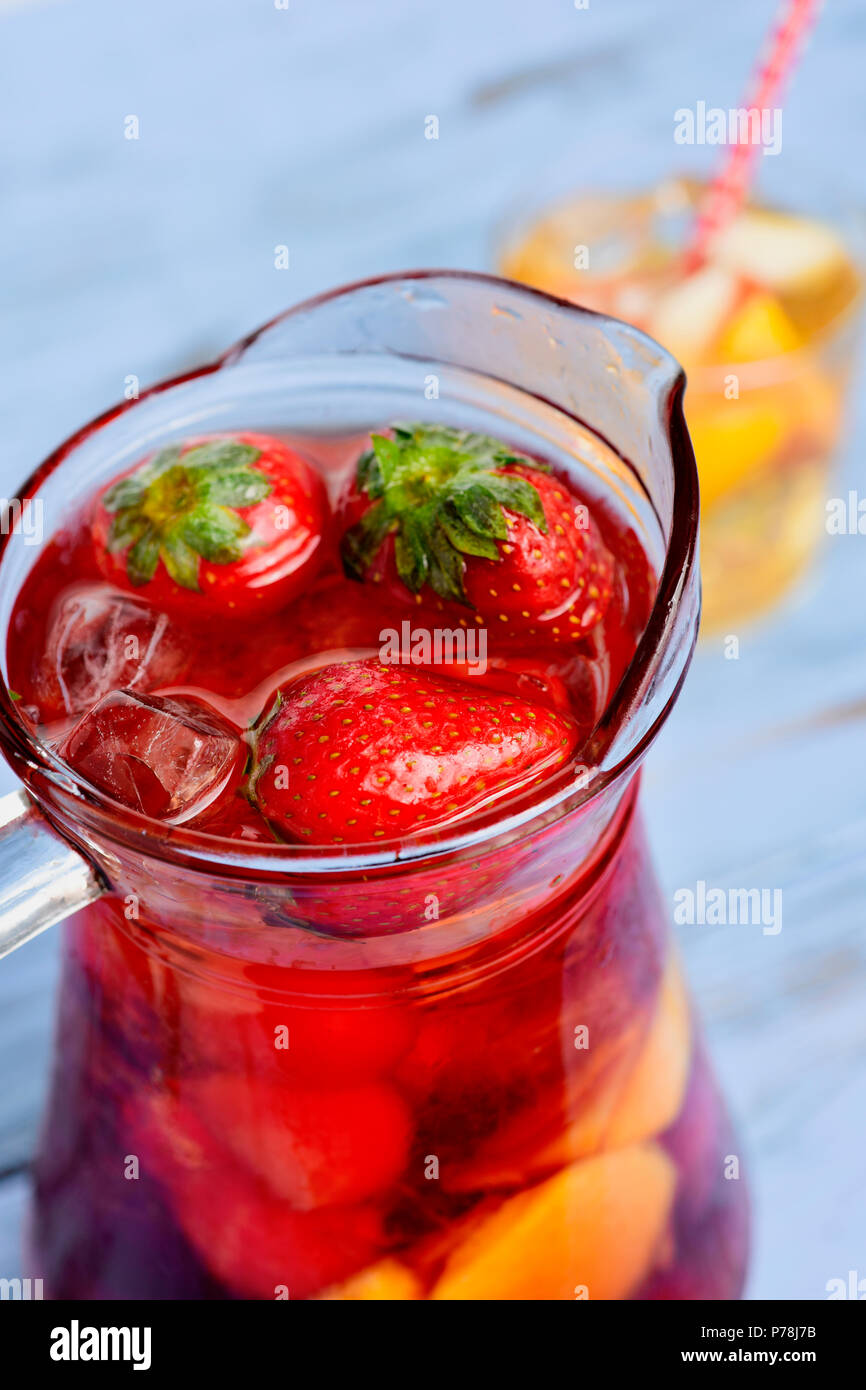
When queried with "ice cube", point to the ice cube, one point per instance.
{"points": [[165, 757], [99, 640]]}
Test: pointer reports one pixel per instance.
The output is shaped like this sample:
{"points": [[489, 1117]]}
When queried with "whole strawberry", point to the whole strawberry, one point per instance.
{"points": [[359, 751], [222, 526], [459, 519]]}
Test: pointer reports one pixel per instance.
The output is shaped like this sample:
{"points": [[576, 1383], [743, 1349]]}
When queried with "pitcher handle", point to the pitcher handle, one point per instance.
{"points": [[43, 878]]}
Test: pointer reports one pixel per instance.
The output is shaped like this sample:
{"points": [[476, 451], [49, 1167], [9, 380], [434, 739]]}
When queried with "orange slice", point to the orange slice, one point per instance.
{"points": [[388, 1279], [654, 1091], [759, 329], [538, 1139], [734, 439], [639, 1091], [592, 1231]]}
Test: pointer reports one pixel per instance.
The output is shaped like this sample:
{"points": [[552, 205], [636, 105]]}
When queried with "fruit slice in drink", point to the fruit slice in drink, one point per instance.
{"points": [[636, 1092], [595, 1226]]}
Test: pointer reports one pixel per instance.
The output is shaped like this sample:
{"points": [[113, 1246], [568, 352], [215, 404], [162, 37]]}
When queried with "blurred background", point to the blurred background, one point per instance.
{"points": [[175, 174]]}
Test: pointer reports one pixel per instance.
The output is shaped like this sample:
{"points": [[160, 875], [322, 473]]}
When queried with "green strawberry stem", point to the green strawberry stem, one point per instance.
{"points": [[256, 765], [441, 494], [181, 508]]}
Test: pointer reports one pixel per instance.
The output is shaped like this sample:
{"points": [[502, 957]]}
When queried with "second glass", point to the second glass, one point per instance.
{"points": [[767, 332]]}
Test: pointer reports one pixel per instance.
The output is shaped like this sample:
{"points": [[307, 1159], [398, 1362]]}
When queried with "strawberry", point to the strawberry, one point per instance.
{"points": [[312, 1147], [225, 526], [359, 750], [447, 515]]}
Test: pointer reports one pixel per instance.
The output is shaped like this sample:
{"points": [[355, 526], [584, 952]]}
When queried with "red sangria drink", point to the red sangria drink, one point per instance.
{"points": [[344, 705]]}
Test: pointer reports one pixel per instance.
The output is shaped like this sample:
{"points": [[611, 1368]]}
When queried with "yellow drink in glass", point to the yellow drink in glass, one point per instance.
{"points": [[766, 331]]}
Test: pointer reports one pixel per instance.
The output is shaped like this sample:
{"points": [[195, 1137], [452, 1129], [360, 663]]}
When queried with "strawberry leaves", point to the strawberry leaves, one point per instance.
{"points": [[143, 558], [182, 507], [442, 495]]}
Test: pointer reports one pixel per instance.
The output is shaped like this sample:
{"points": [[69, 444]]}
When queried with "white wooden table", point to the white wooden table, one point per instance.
{"points": [[305, 127]]}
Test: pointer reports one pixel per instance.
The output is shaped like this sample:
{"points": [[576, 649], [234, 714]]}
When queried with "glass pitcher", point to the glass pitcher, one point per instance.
{"points": [[465, 1069]]}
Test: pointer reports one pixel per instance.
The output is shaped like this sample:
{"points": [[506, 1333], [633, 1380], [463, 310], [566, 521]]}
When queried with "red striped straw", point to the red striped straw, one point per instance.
{"points": [[726, 194]]}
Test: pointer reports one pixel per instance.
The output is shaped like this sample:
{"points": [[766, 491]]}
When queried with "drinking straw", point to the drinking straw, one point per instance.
{"points": [[727, 192]]}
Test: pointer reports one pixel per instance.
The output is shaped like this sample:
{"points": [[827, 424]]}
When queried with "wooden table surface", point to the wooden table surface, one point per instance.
{"points": [[305, 127]]}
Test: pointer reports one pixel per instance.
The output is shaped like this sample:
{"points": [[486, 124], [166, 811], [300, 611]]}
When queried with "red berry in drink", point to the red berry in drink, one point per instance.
{"points": [[220, 526], [460, 518], [360, 751], [313, 1148]]}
